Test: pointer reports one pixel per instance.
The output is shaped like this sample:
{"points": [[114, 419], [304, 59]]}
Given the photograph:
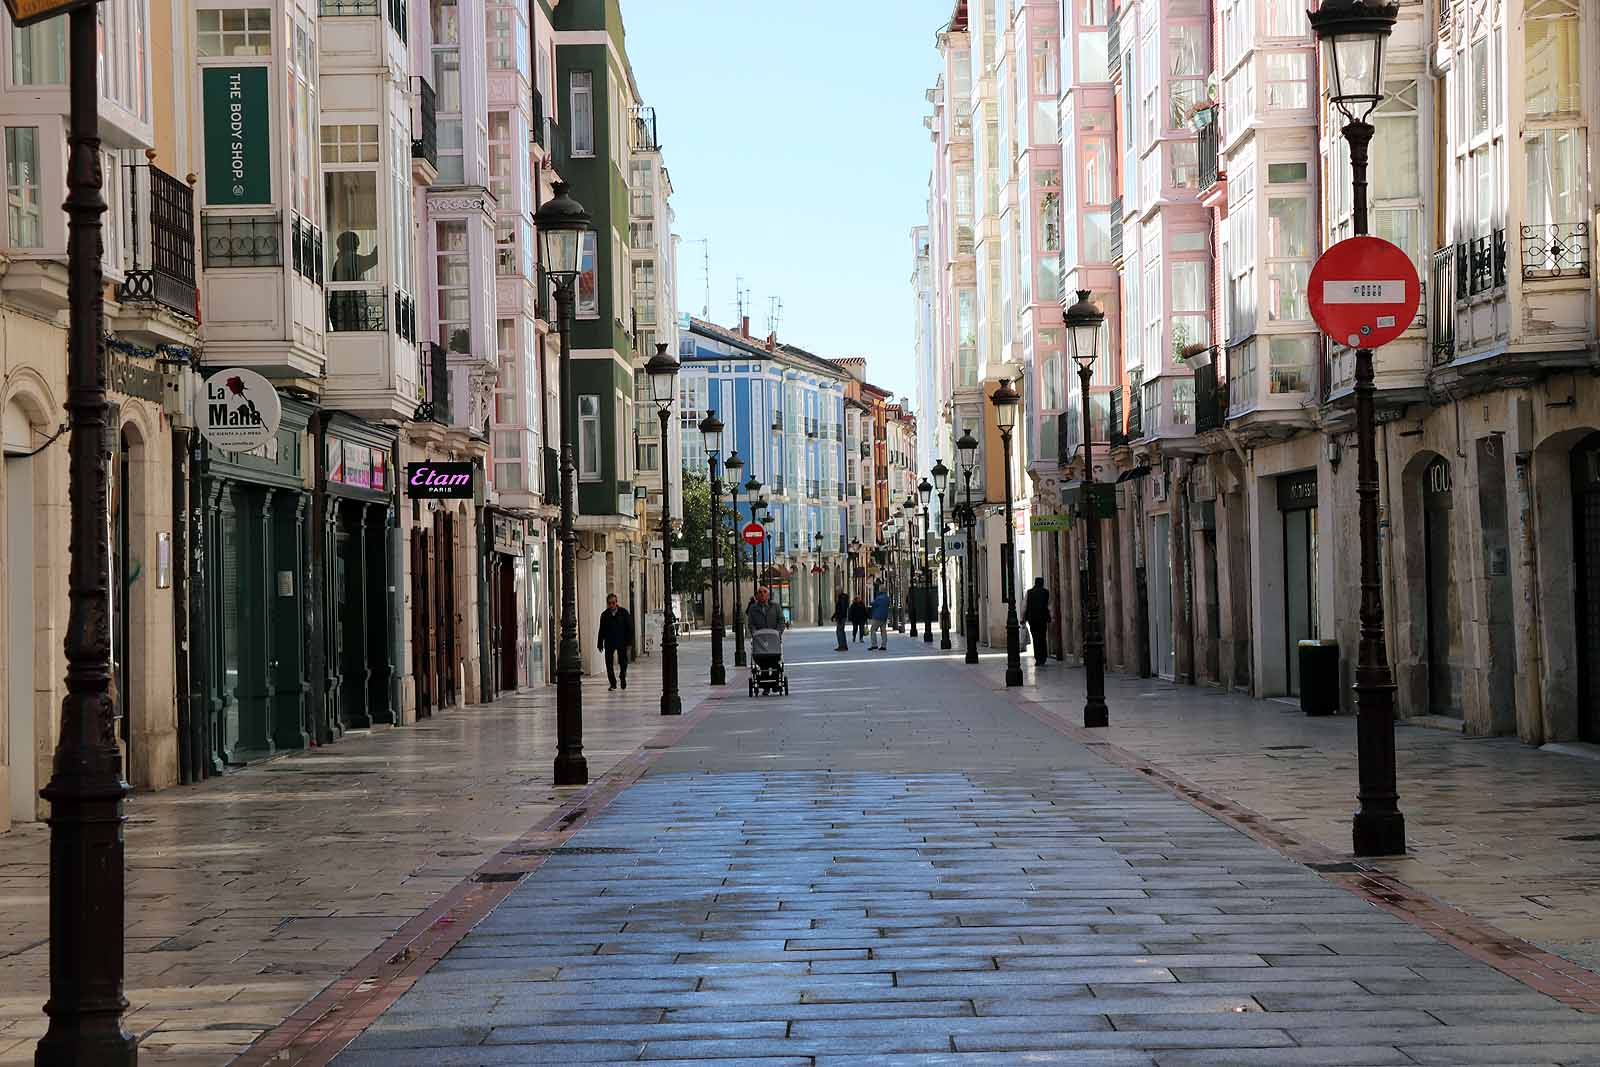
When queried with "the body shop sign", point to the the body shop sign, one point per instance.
{"points": [[239, 410], [238, 135], [439, 481]]}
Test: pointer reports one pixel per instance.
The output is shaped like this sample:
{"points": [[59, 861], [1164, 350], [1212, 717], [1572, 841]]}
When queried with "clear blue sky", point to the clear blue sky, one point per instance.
{"points": [[793, 132]]}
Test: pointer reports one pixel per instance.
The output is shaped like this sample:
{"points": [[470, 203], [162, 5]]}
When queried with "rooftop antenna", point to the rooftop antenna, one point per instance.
{"points": [[705, 267], [774, 314], [741, 297]]}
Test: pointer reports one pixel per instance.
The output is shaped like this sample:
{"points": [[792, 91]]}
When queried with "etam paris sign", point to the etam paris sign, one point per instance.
{"points": [[439, 481]]}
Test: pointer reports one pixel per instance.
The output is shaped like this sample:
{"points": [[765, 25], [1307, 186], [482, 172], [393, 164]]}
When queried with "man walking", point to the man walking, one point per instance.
{"points": [[616, 637], [858, 619], [841, 614], [880, 622], [1036, 613]]}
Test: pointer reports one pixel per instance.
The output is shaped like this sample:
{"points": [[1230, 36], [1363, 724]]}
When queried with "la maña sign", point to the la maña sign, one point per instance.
{"points": [[439, 481]]}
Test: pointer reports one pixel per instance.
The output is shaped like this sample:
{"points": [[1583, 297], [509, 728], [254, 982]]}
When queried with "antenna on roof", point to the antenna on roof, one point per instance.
{"points": [[741, 297], [774, 314], [705, 267]]}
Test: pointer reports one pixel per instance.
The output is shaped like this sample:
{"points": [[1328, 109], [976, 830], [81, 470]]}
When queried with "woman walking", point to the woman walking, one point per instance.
{"points": [[858, 619]]}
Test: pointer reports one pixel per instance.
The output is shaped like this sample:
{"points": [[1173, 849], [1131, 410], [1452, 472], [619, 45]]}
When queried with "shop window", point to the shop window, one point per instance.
{"points": [[233, 31], [24, 218]]}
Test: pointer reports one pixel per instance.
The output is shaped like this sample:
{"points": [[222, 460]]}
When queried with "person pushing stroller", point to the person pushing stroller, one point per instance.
{"points": [[766, 624]]}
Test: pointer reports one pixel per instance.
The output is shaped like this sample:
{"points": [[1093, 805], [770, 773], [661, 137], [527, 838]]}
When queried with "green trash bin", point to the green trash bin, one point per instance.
{"points": [[1319, 676]]}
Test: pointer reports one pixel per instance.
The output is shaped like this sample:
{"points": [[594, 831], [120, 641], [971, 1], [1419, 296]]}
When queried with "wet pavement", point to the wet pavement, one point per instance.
{"points": [[248, 894], [898, 865]]}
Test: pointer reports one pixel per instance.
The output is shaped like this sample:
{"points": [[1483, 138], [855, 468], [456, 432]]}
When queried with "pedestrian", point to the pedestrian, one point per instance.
{"points": [[615, 638], [1036, 613], [911, 608], [858, 618], [880, 622], [841, 615], [766, 623]]}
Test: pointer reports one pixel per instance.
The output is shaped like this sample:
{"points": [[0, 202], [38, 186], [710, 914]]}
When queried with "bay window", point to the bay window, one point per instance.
{"points": [[39, 53], [966, 339], [588, 286], [1191, 305], [1288, 81], [454, 272], [232, 32], [350, 201], [1288, 258], [1242, 253], [589, 437], [24, 213], [501, 151], [1186, 71], [1396, 181], [1291, 360], [1550, 58], [1286, 18]]}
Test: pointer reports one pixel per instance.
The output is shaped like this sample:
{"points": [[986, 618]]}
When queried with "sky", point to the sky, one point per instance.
{"points": [[793, 133]]}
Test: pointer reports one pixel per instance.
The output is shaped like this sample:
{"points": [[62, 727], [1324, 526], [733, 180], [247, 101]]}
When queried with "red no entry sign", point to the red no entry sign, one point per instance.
{"points": [[754, 533], [1364, 292]]}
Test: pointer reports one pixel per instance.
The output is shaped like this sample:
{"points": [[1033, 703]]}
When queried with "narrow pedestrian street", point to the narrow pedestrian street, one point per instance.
{"points": [[898, 865]]}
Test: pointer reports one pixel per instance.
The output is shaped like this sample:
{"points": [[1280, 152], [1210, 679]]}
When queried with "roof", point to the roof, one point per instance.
{"points": [[793, 353]]}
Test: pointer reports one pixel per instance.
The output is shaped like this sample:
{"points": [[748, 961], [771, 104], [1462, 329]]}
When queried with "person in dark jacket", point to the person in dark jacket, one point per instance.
{"points": [[616, 637], [1036, 613], [841, 615], [858, 619]]}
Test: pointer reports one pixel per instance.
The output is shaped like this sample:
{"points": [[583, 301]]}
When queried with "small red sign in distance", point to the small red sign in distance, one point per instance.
{"points": [[754, 533]]}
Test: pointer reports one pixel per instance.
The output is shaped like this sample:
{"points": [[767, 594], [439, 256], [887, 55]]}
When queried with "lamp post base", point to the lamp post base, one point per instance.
{"points": [[1013, 651], [572, 770], [1095, 714], [1379, 833]]}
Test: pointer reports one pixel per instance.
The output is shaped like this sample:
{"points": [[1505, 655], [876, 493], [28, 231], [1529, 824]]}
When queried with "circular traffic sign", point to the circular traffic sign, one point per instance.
{"points": [[754, 533], [1364, 292]]}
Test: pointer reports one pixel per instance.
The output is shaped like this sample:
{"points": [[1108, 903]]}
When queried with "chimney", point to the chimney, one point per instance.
{"points": [[744, 326], [772, 341]]}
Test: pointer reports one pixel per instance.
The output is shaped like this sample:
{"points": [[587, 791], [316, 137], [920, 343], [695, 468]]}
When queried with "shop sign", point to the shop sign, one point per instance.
{"points": [[1049, 523], [27, 12], [240, 412], [439, 480], [238, 144], [357, 465], [1297, 492]]}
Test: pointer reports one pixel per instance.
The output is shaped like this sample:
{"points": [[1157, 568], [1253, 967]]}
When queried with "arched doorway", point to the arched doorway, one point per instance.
{"points": [[1437, 486], [1586, 544]]}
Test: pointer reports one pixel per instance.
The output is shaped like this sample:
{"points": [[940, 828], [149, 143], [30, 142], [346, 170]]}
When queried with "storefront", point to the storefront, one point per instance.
{"points": [[255, 543], [358, 575], [510, 600], [1297, 502]]}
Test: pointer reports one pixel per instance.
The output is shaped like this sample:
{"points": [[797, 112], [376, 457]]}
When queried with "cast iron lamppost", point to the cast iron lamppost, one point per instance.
{"points": [[925, 491], [941, 482], [1084, 321], [817, 541], [758, 506], [766, 548], [734, 466], [967, 459], [562, 222], [87, 864], [663, 371], [1005, 401], [711, 437], [1353, 35], [908, 518]]}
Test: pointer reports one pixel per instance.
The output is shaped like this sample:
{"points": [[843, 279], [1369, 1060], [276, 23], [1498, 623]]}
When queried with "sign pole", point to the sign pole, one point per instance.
{"points": [[87, 861]]}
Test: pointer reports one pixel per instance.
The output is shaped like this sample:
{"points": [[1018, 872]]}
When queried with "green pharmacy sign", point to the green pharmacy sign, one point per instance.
{"points": [[238, 135]]}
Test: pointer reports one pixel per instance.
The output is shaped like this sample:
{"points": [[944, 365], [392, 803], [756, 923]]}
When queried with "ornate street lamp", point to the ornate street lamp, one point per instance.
{"points": [[87, 859], [941, 482], [925, 491], [908, 507], [562, 223], [734, 466], [1084, 322], [766, 548], [1006, 400], [817, 542], [711, 437], [1353, 36], [967, 459], [663, 371]]}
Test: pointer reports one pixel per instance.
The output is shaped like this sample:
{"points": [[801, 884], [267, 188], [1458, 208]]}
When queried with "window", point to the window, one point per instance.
{"points": [[644, 291], [1556, 176], [967, 339], [1186, 72], [1183, 165], [1050, 398], [1290, 173], [1288, 81], [1555, 83], [447, 105], [501, 156], [1291, 360], [641, 189], [350, 204], [588, 294], [1286, 18], [1288, 257], [589, 438], [234, 31], [642, 236], [39, 53], [581, 85], [350, 144], [1092, 59], [1096, 170], [1396, 187], [1151, 48], [24, 219], [505, 247], [1480, 87], [455, 278], [1191, 306], [1242, 258], [502, 55]]}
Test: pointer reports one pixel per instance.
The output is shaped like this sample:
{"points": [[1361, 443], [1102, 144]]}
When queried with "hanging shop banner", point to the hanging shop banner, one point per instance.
{"points": [[1049, 523], [439, 481], [241, 410], [238, 138]]}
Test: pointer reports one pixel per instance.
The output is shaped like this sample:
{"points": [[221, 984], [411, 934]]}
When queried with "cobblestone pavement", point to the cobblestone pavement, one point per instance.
{"points": [[1501, 830], [250, 893], [896, 866]]}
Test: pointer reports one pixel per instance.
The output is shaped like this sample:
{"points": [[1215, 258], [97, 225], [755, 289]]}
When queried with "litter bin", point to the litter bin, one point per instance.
{"points": [[1319, 676]]}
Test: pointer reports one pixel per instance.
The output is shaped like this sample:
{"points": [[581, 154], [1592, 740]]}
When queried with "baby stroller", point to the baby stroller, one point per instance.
{"points": [[766, 663]]}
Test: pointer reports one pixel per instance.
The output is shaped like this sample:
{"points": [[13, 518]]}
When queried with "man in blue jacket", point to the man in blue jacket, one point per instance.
{"points": [[879, 634]]}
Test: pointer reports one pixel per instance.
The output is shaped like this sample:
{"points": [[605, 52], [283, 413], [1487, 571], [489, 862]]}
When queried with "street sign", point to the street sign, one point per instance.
{"points": [[1049, 523], [27, 12], [754, 533], [680, 555], [955, 546], [1364, 292], [239, 411]]}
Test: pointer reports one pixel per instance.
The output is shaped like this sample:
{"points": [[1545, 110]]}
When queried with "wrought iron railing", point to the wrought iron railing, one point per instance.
{"points": [[1210, 158], [1135, 407], [1444, 17], [1116, 229], [643, 135], [425, 134], [1210, 397], [357, 310], [434, 405], [1556, 250], [1441, 312], [241, 240], [1481, 264], [166, 221], [305, 246], [1114, 46]]}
